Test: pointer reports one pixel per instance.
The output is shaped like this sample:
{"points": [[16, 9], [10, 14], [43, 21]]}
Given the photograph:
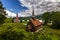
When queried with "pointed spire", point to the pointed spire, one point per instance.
{"points": [[17, 17], [32, 11]]}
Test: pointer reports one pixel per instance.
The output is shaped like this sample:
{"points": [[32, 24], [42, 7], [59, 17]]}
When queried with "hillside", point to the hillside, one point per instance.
{"points": [[17, 31], [27, 18]]}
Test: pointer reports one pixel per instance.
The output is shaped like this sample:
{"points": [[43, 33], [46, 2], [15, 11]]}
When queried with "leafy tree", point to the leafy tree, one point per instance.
{"points": [[46, 16], [2, 13], [56, 19]]}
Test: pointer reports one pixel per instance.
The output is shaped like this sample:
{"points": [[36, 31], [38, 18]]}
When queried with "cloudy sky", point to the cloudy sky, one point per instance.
{"points": [[24, 7]]}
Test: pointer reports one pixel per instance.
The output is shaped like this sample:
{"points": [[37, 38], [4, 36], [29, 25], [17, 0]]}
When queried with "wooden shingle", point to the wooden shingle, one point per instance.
{"points": [[35, 22]]}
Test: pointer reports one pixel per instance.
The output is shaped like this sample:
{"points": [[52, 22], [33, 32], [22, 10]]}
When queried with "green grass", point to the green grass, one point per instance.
{"points": [[16, 31], [57, 31]]}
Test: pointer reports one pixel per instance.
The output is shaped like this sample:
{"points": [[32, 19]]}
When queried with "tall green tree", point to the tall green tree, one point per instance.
{"points": [[46, 16], [2, 14], [56, 19]]}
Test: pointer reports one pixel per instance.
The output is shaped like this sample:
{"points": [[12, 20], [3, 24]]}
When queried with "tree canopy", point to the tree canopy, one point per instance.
{"points": [[54, 17], [2, 13]]}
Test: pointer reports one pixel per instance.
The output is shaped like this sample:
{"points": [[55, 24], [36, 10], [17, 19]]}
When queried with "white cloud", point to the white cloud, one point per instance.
{"points": [[11, 9], [10, 14], [41, 6], [21, 14], [25, 13]]}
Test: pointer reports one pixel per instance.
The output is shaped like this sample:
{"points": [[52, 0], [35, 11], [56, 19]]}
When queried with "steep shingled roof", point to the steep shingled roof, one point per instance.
{"points": [[35, 22]]}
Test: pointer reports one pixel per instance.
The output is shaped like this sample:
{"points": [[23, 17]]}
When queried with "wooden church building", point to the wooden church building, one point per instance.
{"points": [[16, 20], [33, 24]]}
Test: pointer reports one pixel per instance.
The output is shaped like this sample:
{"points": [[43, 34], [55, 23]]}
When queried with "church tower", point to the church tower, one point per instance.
{"points": [[33, 24], [17, 18], [33, 12]]}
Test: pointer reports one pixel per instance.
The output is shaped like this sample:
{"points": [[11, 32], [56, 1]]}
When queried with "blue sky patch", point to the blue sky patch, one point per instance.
{"points": [[13, 5]]}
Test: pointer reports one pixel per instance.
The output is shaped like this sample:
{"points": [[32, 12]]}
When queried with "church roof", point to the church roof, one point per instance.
{"points": [[35, 22]]}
